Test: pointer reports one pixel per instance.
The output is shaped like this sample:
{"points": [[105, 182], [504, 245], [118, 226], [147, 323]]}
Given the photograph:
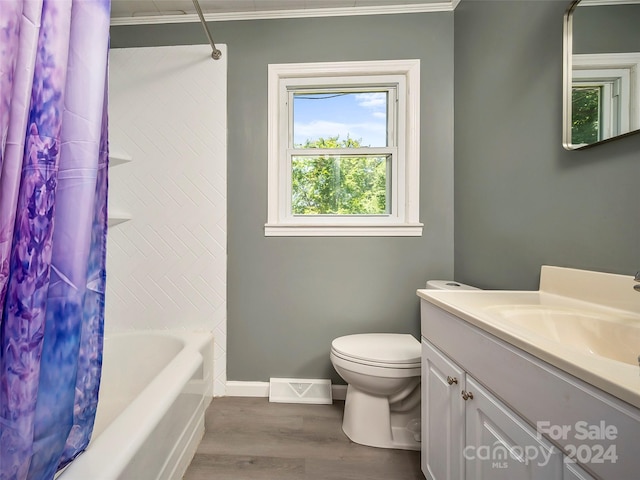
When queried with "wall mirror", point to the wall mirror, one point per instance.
{"points": [[601, 94]]}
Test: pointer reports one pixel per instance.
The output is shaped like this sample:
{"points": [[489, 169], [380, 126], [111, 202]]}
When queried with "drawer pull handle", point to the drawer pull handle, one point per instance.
{"points": [[452, 380], [467, 395]]}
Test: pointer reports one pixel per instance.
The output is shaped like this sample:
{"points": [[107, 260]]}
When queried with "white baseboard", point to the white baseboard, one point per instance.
{"points": [[339, 392], [261, 389], [247, 389]]}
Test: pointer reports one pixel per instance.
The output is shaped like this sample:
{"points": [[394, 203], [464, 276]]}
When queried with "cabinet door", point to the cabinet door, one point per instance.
{"points": [[501, 446], [573, 472], [442, 416]]}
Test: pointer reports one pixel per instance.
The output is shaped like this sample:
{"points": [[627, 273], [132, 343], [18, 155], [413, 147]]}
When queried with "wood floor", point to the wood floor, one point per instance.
{"points": [[250, 438]]}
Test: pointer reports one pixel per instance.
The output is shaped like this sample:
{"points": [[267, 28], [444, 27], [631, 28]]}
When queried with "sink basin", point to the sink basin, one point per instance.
{"points": [[584, 323], [589, 332]]}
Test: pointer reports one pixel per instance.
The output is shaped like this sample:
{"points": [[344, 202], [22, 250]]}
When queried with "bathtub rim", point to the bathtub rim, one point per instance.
{"points": [[117, 438]]}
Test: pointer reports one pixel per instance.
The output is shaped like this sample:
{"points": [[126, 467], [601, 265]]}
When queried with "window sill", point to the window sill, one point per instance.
{"points": [[293, 230]]}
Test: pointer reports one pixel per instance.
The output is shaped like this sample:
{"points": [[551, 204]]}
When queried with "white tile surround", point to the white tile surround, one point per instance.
{"points": [[166, 267]]}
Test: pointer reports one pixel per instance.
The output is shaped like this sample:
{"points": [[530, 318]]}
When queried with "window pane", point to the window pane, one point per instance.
{"points": [[340, 185], [338, 120], [585, 115]]}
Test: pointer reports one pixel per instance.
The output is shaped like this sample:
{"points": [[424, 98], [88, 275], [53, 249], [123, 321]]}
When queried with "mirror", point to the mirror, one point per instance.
{"points": [[601, 94]]}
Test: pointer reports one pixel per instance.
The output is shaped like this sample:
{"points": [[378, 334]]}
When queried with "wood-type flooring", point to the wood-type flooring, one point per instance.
{"points": [[253, 439]]}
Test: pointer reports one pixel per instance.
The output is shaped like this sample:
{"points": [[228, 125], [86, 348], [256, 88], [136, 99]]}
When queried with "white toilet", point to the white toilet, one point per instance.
{"points": [[382, 370], [382, 406]]}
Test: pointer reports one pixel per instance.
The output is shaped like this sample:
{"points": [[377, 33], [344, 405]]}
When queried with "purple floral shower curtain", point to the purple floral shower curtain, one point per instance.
{"points": [[53, 222]]}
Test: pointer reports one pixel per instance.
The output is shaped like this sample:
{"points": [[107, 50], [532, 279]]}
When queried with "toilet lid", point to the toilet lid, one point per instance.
{"points": [[391, 348]]}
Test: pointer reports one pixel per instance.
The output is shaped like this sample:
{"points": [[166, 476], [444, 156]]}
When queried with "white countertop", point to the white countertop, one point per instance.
{"points": [[608, 296]]}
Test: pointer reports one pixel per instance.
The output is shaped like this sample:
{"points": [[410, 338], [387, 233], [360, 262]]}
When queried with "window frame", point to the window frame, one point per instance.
{"points": [[394, 124], [283, 81], [622, 67], [614, 85]]}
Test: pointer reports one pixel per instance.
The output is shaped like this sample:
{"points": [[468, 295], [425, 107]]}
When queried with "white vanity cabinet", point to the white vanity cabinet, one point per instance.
{"points": [[469, 434], [442, 416], [501, 446], [574, 472], [507, 428]]}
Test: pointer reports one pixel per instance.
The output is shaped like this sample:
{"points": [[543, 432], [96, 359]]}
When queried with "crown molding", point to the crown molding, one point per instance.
{"points": [[606, 3], [442, 6]]}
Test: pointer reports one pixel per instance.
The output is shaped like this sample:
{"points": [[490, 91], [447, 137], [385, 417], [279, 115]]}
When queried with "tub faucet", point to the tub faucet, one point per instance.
{"points": [[636, 287]]}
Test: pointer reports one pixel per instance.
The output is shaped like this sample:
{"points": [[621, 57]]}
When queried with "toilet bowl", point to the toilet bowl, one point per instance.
{"points": [[382, 405], [382, 370]]}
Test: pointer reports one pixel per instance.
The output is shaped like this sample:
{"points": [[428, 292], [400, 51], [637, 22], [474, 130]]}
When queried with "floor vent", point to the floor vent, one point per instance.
{"points": [[300, 390]]}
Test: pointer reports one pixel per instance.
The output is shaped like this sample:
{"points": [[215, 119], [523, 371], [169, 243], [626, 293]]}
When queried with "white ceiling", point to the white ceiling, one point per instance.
{"points": [[127, 12]]}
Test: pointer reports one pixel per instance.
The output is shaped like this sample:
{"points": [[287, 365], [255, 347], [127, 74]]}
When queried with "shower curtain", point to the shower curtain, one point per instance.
{"points": [[53, 221]]}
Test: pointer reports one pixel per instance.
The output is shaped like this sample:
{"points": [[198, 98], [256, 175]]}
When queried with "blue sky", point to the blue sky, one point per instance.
{"points": [[358, 115]]}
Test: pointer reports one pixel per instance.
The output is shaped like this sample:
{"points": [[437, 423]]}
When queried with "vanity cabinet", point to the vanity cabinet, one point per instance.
{"points": [[574, 472], [469, 434], [507, 427], [442, 416], [500, 445]]}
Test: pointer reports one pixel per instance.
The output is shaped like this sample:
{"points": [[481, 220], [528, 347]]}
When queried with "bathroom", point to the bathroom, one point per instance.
{"points": [[520, 199], [495, 159], [499, 195]]}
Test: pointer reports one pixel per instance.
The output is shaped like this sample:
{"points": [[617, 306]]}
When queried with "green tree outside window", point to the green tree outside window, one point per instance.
{"points": [[585, 115], [338, 184]]}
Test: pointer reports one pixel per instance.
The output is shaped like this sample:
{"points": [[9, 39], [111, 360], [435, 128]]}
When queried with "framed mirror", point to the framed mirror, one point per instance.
{"points": [[601, 94]]}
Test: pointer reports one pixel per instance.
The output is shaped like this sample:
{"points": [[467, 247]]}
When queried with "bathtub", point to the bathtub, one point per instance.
{"points": [[154, 390]]}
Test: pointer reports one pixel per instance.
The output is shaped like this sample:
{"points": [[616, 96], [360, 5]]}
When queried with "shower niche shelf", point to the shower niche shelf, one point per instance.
{"points": [[116, 217], [118, 158]]}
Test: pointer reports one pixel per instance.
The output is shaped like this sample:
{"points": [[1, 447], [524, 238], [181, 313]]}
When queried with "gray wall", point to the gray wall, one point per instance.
{"points": [[521, 200], [606, 29], [289, 297]]}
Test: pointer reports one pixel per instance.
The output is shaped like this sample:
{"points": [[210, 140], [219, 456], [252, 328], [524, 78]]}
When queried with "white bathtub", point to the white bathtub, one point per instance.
{"points": [[154, 390]]}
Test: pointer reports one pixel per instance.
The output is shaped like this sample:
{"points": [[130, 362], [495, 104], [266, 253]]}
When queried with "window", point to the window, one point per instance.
{"points": [[344, 149], [596, 100], [604, 95]]}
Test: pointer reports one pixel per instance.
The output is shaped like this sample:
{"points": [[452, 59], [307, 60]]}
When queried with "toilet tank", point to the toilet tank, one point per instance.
{"points": [[448, 285]]}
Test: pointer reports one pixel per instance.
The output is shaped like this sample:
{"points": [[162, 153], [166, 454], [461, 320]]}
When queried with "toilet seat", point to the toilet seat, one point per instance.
{"points": [[385, 350]]}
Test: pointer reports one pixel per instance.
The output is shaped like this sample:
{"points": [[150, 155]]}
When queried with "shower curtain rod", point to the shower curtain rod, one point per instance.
{"points": [[215, 53]]}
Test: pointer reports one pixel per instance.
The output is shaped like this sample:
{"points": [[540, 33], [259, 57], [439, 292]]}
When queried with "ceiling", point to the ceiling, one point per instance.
{"points": [[129, 12]]}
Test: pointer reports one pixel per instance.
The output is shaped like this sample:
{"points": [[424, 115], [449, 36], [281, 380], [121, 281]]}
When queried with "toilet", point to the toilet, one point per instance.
{"points": [[382, 372]]}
